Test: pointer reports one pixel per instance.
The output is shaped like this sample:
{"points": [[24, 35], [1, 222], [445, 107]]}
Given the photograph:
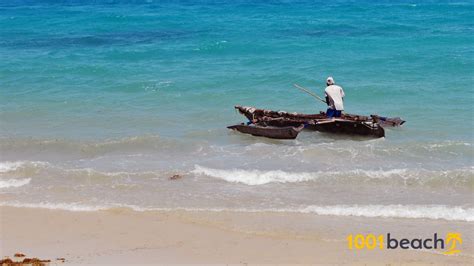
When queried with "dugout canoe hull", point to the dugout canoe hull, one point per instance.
{"points": [[287, 132]]}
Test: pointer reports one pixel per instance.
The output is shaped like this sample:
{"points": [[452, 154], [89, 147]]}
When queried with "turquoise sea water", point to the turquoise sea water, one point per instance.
{"points": [[107, 98]]}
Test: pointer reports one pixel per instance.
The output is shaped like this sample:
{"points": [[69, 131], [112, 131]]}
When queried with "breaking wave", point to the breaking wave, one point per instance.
{"points": [[455, 213], [9, 166], [407, 176], [6, 167], [457, 177], [12, 183], [253, 177], [433, 212], [56, 206]]}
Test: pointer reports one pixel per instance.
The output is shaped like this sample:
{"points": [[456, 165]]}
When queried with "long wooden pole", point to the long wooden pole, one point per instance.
{"points": [[309, 92]]}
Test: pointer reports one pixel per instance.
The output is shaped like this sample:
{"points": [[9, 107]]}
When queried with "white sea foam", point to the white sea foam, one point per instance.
{"points": [[260, 177], [56, 206], [10, 183], [254, 177], [455, 213], [433, 212], [8, 166]]}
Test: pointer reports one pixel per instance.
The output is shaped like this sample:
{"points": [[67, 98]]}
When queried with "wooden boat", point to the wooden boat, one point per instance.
{"points": [[331, 125], [287, 132], [260, 114], [371, 126], [342, 126]]}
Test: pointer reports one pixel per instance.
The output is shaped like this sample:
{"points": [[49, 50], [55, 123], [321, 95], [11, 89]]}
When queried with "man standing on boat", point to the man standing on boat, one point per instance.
{"points": [[334, 98]]}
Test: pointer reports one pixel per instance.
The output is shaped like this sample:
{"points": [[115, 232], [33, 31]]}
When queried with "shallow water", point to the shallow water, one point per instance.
{"points": [[101, 102]]}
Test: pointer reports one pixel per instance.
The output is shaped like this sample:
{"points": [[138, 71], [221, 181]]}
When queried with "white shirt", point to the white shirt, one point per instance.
{"points": [[335, 95]]}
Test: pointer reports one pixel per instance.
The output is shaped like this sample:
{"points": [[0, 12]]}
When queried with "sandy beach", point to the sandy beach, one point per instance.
{"points": [[126, 236]]}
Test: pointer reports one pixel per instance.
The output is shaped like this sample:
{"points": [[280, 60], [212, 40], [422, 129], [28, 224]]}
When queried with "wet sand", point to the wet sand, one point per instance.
{"points": [[126, 236]]}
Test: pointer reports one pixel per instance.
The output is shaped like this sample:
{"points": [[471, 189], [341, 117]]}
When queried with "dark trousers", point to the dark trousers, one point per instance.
{"points": [[333, 113]]}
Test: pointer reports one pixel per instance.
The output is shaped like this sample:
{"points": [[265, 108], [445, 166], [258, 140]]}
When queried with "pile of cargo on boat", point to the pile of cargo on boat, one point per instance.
{"points": [[284, 125]]}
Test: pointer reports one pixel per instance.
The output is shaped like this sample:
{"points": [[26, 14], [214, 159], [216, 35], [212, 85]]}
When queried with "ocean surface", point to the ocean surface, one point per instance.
{"points": [[102, 101]]}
